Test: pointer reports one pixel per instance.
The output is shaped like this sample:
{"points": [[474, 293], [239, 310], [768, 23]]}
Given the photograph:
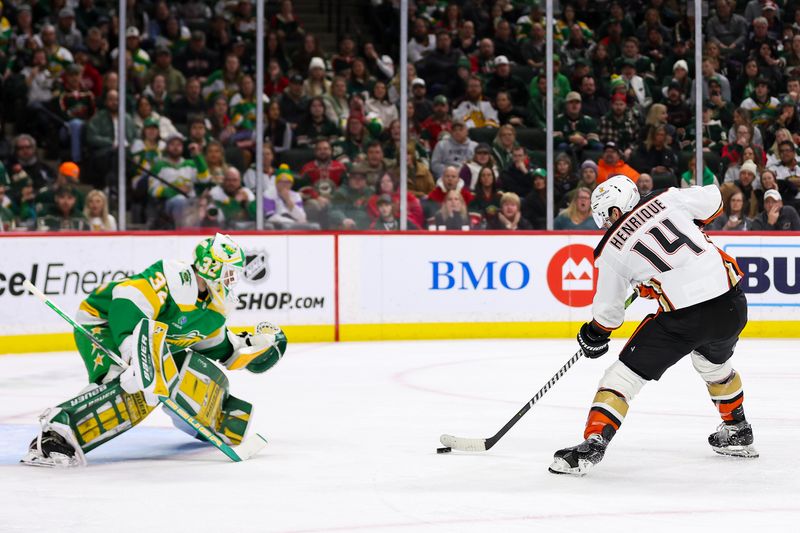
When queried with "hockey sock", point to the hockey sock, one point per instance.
{"points": [[607, 413], [728, 396]]}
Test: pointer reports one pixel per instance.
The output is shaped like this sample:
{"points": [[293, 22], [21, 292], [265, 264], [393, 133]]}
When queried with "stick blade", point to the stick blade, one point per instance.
{"points": [[250, 446], [462, 444]]}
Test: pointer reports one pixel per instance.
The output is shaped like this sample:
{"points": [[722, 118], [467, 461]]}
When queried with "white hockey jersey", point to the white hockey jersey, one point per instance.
{"points": [[659, 245]]}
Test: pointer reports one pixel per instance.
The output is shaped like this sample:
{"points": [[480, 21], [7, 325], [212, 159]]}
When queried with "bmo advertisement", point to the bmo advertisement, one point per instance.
{"points": [[478, 285]]}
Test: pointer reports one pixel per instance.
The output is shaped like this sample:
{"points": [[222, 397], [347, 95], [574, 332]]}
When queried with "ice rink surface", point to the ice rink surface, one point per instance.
{"points": [[353, 429]]}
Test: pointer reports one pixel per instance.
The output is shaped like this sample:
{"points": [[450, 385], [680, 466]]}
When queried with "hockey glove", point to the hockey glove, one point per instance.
{"points": [[594, 343], [256, 352]]}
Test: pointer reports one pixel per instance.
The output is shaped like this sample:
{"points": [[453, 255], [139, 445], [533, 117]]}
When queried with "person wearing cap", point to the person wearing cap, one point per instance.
{"points": [[481, 158], [293, 101], [316, 84], [144, 153], [68, 176], [349, 201], [423, 106], [680, 78], [474, 110], [619, 126], [438, 124], [611, 164], [763, 107], [573, 130], [679, 115], [77, 106], [141, 59], [502, 80], [163, 65], [727, 29], [776, 216], [283, 207], [178, 177], [635, 84], [67, 34], [196, 60], [387, 220], [453, 150]]}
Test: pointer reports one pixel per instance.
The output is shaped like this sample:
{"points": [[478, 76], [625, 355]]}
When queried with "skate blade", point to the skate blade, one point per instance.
{"points": [[737, 451], [560, 466], [56, 460]]}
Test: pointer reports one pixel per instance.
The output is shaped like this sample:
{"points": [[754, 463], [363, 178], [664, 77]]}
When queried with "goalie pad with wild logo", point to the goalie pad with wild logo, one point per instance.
{"points": [[203, 390]]}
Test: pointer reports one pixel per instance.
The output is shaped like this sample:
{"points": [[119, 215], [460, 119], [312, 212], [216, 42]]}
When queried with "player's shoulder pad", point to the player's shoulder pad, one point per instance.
{"points": [[181, 282]]}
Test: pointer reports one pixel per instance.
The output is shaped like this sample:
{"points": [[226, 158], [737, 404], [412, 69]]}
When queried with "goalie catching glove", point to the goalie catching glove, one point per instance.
{"points": [[257, 352]]}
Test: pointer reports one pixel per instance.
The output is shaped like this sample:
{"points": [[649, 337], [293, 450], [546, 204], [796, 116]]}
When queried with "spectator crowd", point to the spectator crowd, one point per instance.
{"points": [[623, 92]]}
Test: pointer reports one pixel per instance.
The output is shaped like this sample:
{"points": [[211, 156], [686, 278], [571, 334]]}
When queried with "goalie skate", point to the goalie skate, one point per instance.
{"points": [[578, 460], [51, 450], [734, 439]]}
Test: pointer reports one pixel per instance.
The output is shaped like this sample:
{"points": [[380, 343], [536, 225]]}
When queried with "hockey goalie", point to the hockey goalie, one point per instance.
{"points": [[168, 324]]}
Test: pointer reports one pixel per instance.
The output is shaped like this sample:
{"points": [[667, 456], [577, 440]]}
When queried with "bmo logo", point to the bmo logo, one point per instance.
{"points": [[571, 275], [479, 276]]}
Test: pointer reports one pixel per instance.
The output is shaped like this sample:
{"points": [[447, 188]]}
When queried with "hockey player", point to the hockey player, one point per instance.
{"points": [[168, 323], [655, 245]]}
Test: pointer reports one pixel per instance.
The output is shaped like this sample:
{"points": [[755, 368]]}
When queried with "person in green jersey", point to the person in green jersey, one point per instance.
{"points": [[169, 321]]}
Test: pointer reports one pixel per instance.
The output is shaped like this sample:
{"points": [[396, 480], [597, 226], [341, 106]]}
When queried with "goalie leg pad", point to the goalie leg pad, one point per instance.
{"points": [[94, 417], [203, 391], [152, 369]]}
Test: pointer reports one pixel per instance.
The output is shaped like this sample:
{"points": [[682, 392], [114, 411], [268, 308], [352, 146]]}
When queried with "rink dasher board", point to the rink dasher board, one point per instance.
{"points": [[325, 286]]}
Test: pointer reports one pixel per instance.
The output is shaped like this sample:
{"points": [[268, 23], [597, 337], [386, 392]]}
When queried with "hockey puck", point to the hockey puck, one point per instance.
{"points": [[446, 449]]}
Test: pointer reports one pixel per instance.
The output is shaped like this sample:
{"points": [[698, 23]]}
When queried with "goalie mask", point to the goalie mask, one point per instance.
{"points": [[220, 262], [617, 191]]}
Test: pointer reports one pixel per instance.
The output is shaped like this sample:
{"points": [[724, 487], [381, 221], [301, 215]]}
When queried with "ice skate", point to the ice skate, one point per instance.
{"points": [[734, 439], [578, 460], [51, 450]]}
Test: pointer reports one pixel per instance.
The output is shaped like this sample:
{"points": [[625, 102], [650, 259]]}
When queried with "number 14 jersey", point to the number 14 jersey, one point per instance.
{"points": [[658, 244]]}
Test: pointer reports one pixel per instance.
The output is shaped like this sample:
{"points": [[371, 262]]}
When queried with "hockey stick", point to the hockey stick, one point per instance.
{"points": [[481, 445], [244, 451]]}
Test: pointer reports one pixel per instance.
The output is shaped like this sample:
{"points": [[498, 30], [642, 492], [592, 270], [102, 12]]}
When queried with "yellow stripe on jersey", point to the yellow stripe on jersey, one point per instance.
{"points": [[141, 293], [86, 308]]}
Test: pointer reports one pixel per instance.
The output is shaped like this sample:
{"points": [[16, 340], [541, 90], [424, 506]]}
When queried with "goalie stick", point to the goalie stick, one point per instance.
{"points": [[481, 445], [244, 451]]}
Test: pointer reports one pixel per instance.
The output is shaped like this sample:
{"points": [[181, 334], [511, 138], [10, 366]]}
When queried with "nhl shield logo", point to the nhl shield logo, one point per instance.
{"points": [[256, 267]]}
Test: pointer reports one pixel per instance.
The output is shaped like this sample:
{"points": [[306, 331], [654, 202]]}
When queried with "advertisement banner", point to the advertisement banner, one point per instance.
{"points": [[288, 280], [323, 287], [518, 285]]}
